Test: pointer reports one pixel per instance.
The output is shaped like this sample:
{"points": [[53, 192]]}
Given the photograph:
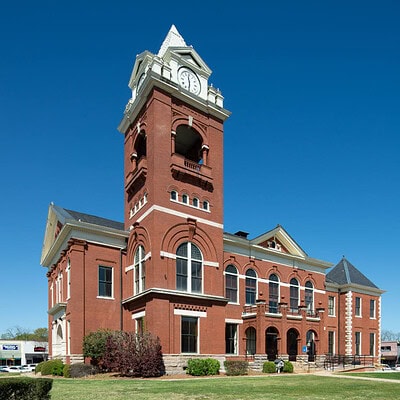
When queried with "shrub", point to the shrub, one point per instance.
{"points": [[269, 367], [133, 354], [234, 367], [67, 371], [288, 367], [52, 367], [25, 388], [38, 367], [94, 345], [80, 370], [203, 366]]}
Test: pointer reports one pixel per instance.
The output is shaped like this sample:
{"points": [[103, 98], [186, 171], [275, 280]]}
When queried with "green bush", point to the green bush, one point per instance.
{"points": [[80, 370], [67, 371], [234, 367], [94, 345], [38, 367], [288, 367], [52, 367], [25, 388], [203, 366], [269, 367]]}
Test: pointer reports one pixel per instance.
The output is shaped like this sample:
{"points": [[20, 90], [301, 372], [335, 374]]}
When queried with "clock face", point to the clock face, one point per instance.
{"points": [[189, 80]]}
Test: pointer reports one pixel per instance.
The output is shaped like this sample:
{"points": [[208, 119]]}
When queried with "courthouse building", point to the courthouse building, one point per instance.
{"points": [[170, 269]]}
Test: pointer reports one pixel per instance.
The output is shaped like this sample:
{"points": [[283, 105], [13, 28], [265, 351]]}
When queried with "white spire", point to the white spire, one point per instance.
{"points": [[173, 39]]}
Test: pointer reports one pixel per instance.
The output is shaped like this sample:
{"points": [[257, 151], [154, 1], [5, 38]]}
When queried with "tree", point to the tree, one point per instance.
{"points": [[389, 336], [18, 333]]}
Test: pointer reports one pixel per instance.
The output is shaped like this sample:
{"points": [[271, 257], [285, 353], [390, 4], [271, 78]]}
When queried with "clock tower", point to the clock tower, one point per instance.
{"points": [[173, 282]]}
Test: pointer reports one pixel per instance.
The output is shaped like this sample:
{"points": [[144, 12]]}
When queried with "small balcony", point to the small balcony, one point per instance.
{"points": [[136, 179], [185, 170]]}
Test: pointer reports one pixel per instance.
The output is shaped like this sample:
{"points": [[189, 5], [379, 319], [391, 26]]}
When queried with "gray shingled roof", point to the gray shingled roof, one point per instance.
{"points": [[344, 273], [92, 219]]}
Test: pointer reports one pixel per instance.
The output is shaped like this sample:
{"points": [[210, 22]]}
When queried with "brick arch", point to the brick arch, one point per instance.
{"points": [[189, 232], [273, 270], [251, 265], [138, 235], [183, 120]]}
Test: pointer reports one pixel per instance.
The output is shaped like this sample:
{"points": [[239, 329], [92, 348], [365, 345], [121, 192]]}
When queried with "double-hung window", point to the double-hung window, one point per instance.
{"points": [[140, 270], [105, 281], [189, 334], [231, 283], [251, 286], [189, 268], [273, 293]]}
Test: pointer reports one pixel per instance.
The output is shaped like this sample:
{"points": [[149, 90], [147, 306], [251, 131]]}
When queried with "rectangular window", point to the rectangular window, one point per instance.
{"points": [[358, 307], [331, 342], [231, 339], [331, 306], [140, 326], [372, 309], [189, 333], [358, 343], [372, 344], [105, 281]]}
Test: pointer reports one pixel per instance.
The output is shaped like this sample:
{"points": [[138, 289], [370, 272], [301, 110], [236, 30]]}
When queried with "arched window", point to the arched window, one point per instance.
{"points": [[189, 269], [185, 199], [273, 293], [188, 143], [139, 270], [294, 295], [231, 283], [174, 195], [140, 145], [309, 297], [206, 205], [195, 202], [250, 341], [251, 286]]}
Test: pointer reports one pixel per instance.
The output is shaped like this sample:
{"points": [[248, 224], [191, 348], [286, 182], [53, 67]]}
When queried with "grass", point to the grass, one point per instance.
{"points": [[288, 387], [377, 375]]}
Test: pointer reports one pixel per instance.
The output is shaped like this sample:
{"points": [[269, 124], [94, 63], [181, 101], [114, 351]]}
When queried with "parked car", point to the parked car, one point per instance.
{"points": [[397, 367], [12, 368], [29, 367]]}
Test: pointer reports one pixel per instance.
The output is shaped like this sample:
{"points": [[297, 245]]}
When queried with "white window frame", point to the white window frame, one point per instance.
{"points": [[112, 282], [138, 270]]}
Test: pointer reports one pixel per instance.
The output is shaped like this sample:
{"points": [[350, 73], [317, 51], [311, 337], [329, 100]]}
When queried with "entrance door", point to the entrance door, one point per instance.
{"points": [[271, 343], [292, 343]]}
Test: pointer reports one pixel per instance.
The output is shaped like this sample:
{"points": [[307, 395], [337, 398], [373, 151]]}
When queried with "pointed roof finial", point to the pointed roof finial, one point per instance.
{"points": [[173, 39]]}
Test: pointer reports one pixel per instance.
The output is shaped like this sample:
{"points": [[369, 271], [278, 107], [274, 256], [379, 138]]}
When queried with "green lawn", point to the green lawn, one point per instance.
{"points": [[287, 387], [377, 375]]}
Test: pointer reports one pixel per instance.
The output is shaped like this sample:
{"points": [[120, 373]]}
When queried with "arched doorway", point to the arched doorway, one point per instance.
{"points": [[250, 341], [311, 348], [271, 343], [292, 337]]}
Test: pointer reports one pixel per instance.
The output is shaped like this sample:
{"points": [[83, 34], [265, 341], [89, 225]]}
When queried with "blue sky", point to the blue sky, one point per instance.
{"points": [[312, 143]]}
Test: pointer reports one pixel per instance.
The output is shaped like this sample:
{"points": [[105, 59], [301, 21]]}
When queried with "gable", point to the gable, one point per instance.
{"points": [[280, 241]]}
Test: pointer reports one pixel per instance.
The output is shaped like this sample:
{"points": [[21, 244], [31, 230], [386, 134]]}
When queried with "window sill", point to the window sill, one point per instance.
{"points": [[105, 298]]}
